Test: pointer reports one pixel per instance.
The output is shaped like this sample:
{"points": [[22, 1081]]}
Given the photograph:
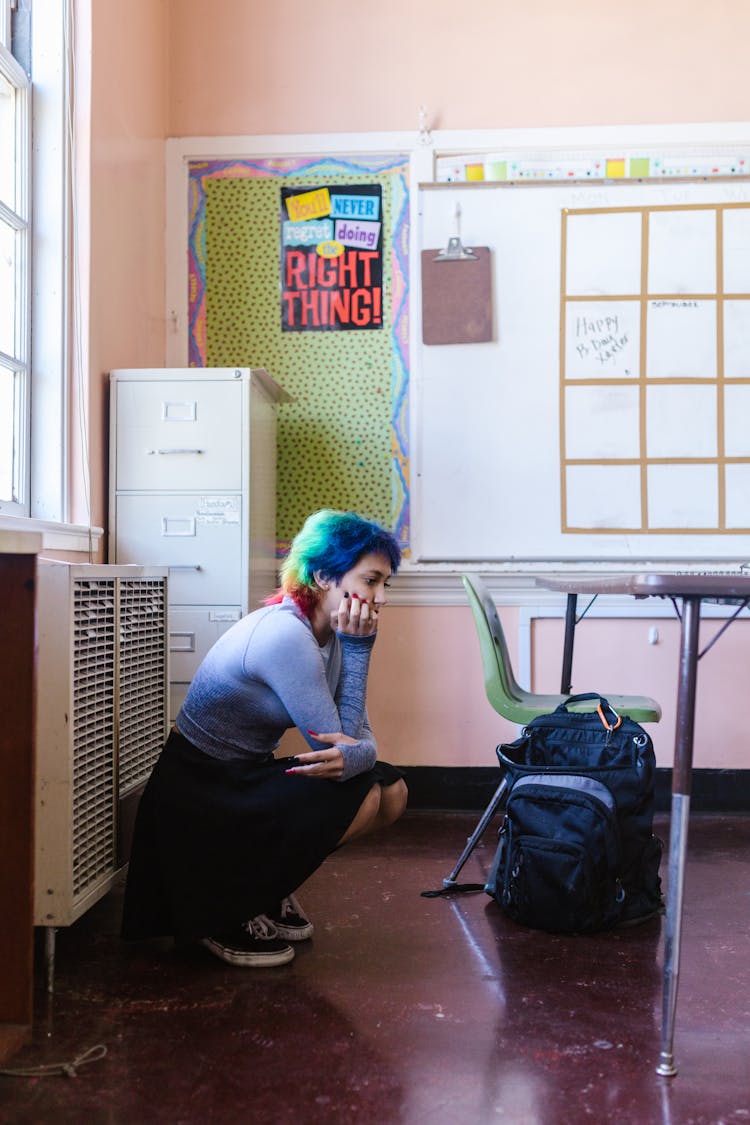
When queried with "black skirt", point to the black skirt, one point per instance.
{"points": [[218, 842]]}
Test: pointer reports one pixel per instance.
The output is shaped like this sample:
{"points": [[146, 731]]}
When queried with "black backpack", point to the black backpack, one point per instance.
{"points": [[576, 849]]}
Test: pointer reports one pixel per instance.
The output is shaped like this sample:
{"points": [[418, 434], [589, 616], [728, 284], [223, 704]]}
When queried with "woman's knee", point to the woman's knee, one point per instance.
{"points": [[370, 807], [366, 815], [393, 802]]}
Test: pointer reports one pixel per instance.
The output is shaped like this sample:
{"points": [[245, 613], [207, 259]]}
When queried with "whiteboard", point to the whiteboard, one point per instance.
{"points": [[495, 425]]}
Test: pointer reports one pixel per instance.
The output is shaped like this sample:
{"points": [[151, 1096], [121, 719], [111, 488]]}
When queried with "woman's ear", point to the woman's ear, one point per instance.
{"points": [[320, 581]]}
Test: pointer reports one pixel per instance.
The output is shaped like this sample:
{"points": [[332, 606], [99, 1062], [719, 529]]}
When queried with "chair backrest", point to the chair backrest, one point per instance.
{"points": [[502, 689], [500, 683]]}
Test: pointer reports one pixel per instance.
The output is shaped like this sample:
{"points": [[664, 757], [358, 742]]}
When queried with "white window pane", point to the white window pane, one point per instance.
{"points": [[8, 304], [7, 430], [7, 142]]}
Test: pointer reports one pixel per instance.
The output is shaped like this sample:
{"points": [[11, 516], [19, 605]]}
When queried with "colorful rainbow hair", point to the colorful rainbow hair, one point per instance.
{"points": [[329, 544]]}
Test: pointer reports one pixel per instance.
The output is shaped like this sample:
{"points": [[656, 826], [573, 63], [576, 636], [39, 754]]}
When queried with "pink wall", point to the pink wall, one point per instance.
{"points": [[426, 693], [264, 67], [128, 124]]}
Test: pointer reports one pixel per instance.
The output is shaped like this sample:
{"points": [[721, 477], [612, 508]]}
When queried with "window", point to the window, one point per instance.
{"points": [[35, 68], [15, 258]]}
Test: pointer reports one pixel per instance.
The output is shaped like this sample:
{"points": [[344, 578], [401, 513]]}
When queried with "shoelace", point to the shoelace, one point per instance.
{"points": [[289, 905], [261, 927]]}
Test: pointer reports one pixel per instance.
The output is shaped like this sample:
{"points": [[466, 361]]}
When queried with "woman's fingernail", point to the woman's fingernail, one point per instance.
{"points": [[356, 596], [290, 771], [314, 733]]}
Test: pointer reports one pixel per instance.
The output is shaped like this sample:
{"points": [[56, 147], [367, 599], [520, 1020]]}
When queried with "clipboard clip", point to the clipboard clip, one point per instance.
{"points": [[455, 251]]}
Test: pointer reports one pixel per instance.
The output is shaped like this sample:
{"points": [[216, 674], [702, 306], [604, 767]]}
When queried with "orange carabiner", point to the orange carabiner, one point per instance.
{"points": [[604, 721]]}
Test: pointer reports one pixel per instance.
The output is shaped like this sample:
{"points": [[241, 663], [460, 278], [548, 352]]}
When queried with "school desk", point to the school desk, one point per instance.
{"points": [[687, 592]]}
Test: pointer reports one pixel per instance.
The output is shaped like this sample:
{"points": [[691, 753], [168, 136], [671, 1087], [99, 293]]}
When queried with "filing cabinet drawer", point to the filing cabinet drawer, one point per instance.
{"points": [[185, 435], [192, 632], [177, 692], [198, 537]]}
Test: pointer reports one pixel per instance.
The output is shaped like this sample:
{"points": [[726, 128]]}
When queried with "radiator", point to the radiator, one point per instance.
{"points": [[101, 707]]}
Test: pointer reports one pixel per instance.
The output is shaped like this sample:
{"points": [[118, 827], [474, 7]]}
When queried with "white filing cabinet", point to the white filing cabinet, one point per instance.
{"points": [[193, 488]]}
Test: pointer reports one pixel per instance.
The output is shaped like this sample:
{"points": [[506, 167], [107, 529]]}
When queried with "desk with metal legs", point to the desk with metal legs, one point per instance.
{"points": [[687, 592]]}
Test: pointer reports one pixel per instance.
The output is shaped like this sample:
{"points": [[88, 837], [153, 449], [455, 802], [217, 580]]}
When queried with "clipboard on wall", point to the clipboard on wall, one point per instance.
{"points": [[457, 295]]}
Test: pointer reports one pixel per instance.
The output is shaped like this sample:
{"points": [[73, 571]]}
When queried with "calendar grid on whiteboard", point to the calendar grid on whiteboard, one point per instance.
{"points": [[655, 305]]}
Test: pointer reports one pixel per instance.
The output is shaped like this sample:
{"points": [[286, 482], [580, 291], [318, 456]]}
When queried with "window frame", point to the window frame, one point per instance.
{"points": [[18, 218]]}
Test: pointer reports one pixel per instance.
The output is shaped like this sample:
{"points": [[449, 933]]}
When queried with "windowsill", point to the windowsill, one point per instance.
{"points": [[54, 536]]}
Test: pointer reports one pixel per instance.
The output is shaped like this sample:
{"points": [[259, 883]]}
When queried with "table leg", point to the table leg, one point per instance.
{"points": [[570, 630], [678, 833]]}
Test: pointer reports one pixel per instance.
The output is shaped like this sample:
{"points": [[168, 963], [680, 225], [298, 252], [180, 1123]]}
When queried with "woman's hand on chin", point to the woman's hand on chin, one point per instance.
{"points": [[355, 617]]}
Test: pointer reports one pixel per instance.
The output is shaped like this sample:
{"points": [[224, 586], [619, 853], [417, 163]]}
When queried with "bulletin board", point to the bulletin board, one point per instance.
{"points": [[608, 417], [325, 311]]}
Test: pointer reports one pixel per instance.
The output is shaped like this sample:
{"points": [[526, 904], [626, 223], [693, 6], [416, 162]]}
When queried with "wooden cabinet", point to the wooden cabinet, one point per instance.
{"points": [[17, 613], [193, 488]]}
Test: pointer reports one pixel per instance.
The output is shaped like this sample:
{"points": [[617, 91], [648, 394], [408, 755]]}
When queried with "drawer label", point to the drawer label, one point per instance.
{"points": [[218, 509]]}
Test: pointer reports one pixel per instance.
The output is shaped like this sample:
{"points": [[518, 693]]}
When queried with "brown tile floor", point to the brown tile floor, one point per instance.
{"points": [[406, 1010]]}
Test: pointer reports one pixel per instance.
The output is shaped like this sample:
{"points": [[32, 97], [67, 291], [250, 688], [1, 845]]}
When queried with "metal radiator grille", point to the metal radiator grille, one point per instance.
{"points": [[143, 678], [94, 640]]}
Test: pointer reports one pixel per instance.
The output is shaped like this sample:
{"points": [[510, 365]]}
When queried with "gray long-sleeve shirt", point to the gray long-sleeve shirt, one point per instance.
{"points": [[268, 673]]}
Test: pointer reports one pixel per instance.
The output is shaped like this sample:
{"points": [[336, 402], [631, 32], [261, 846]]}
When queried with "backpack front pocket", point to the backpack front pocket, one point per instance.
{"points": [[561, 854]]}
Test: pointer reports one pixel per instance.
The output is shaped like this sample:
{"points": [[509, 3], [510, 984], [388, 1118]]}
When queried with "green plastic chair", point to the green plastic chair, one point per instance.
{"points": [[507, 697], [513, 702]]}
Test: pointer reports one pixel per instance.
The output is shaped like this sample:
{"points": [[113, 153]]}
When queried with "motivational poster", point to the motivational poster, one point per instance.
{"points": [[331, 258]]}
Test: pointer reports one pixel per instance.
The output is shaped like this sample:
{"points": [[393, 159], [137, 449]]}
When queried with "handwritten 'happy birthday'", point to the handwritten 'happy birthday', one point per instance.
{"points": [[600, 337]]}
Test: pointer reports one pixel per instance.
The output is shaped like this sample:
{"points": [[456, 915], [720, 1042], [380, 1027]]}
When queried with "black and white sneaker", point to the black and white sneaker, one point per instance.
{"points": [[253, 945], [291, 922]]}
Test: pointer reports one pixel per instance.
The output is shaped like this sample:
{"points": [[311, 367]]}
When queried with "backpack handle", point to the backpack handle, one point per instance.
{"points": [[604, 705]]}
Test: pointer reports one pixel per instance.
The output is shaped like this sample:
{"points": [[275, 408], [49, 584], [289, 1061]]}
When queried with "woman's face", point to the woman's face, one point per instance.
{"points": [[368, 579]]}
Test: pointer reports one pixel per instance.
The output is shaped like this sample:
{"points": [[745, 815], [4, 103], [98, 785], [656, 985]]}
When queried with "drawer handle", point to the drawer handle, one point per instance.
{"points": [[185, 566], [162, 452]]}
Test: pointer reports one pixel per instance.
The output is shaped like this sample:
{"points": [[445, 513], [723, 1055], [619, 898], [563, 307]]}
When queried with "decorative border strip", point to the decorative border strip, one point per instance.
{"points": [[500, 167], [199, 171]]}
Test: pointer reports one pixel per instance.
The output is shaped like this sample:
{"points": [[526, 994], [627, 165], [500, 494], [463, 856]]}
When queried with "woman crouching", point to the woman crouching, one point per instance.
{"points": [[226, 832]]}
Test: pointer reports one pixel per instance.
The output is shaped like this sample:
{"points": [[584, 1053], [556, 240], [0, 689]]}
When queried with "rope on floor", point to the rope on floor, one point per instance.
{"points": [[69, 1069]]}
